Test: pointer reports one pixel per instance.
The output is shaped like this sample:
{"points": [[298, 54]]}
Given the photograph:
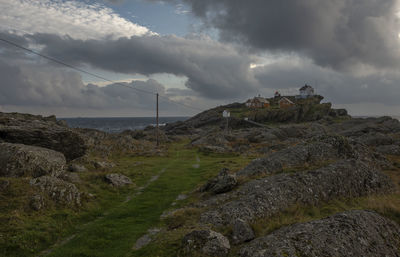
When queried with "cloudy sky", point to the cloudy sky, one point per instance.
{"points": [[198, 53]]}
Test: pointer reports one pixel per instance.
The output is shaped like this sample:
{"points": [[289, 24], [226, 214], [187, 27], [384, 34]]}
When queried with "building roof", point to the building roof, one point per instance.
{"points": [[261, 99], [306, 87], [258, 99], [286, 100]]}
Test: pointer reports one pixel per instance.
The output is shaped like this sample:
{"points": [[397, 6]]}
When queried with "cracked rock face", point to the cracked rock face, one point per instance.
{"points": [[23, 160], [206, 242], [60, 191], [265, 197], [43, 132], [352, 233]]}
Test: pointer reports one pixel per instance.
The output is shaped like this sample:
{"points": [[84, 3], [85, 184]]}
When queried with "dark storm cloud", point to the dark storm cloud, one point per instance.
{"points": [[336, 33], [214, 70]]}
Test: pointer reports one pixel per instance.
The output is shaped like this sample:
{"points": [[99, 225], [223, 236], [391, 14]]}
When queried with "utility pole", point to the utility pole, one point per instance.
{"points": [[157, 127]]}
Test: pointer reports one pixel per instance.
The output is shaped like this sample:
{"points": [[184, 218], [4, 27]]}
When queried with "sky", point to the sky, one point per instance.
{"points": [[196, 54]]}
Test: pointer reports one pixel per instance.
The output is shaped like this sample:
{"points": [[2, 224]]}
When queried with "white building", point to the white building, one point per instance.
{"points": [[306, 91]]}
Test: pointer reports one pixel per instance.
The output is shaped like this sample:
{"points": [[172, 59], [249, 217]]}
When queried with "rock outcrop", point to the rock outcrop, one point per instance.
{"points": [[206, 242], [59, 190], [268, 196], [43, 132], [352, 233], [23, 160]]}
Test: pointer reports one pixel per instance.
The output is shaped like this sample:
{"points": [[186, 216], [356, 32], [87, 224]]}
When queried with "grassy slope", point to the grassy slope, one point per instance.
{"points": [[117, 231]]}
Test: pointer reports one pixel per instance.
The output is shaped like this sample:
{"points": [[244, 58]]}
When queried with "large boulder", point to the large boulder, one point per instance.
{"points": [[352, 233], [60, 191], [268, 196], [43, 132], [206, 242], [23, 160]]}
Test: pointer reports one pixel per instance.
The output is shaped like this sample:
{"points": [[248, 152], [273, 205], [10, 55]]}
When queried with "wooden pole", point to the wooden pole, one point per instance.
{"points": [[158, 137]]}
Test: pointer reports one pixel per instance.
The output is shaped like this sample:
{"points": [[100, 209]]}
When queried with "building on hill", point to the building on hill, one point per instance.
{"points": [[285, 103], [306, 91], [258, 102], [277, 94]]}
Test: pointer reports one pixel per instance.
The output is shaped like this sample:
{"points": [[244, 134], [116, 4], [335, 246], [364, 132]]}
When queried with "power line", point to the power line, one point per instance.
{"points": [[71, 67], [92, 74]]}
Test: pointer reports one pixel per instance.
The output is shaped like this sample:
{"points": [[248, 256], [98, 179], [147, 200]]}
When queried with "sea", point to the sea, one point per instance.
{"points": [[116, 125]]}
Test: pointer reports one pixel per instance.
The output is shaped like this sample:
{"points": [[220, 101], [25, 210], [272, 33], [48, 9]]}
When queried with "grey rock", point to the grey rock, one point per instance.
{"points": [[37, 202], [261, 166], [206, 242], [77, 168], [265, 197], [118, 180], [23, 160], [242, 232], [146, 239], [388, 149], [70, 177], [4, 184], [357, 127], [375, 139], [352, 233], [315, 150], [214, 149], [60, 191], [43, 132], [142, 242], [103, 165], [224, 182]]}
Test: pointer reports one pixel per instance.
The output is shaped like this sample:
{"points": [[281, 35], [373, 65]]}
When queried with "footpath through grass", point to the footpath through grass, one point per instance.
{"points": [[116, 232]]}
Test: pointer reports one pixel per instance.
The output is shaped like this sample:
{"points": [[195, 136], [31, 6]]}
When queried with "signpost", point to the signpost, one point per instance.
{"points": [[226, 114]]}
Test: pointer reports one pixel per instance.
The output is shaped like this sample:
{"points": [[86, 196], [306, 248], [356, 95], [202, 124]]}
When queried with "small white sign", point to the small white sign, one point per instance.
{"points": [[226, 114]]}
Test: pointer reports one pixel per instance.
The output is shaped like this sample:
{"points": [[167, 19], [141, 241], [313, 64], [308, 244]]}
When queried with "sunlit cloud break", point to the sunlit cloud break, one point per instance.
{"points": [[75, 19]]}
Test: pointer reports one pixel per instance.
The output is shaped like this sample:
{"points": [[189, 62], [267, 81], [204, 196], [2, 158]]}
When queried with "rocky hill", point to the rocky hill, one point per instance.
{"points": [[315, 182], [304, 110]]}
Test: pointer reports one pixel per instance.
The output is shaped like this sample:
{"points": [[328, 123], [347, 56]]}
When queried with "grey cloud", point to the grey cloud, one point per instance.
{"points": [[40, 85], [213, 69], [335, 33]]}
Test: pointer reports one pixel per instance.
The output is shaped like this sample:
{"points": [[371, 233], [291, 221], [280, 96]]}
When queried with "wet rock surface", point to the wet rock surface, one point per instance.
{"points": [[267, 196], [118, 180], [22, 160], [352, 233], [43, 132], [206, 242], [60, 191]]}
